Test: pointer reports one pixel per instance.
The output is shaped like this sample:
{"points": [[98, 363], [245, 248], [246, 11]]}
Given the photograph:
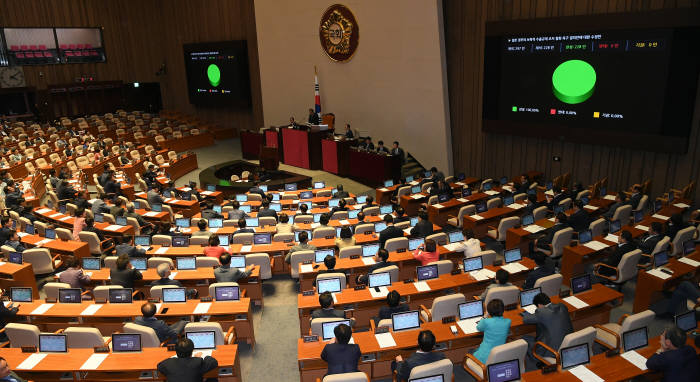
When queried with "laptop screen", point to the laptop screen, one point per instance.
{"points": [[69, 295], [251, 222], [409, 179], [329, 327], [318, 185], [19, 294], [528, 295], [223, 240], [574, 356], [388, 183], [155, 208], [405, 320], [512, 255], [226, 293], [262, 238], [126, 342], [443, 198], [180, 241], [503, 180], [414, 221], [91, 263], [306, 195], [320, 254], [216, 223], [660, 259], [352, 214], [186, 263], [386, 209], [379, 227], [473, 263], [581, 284], [50, 233], [584, 200], [415, 243], [99, 218], [202, 340], [331, 285], [369, 250], [504, 371], [508, 200], [263, 187], [120, 220], [548, 185], [182, 222], [120, 295], [241, 197], [487, 186], [585, 236], [638, 216], [427, 174], [686, 321], [427, 272], [174, 295], [635, 339], [211, 187], [62, 208], [217, 208], [142, 240], [276, 207], [246, 208], [558, 209], [471, 309], [361, 199], [15, 257], [658, 204], [379, 279], [466, 192], [615, 226], [275, 198], [415, 189], [52, 343], [290, 187], [29, 229], [688, 247], [138, 263], [528, 219], [455, 236], [481, 207], [237, 261]]}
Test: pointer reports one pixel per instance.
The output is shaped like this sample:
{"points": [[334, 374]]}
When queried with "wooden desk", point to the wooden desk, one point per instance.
{"points": [[122, 366], [250, 143], [490, 217], [372, 168], [438, 213], [520, 238], [56, 246], [178, 168], [336, 155], [186, 208], [18, 275], [189, 142], [66, 221], [653, 286]]}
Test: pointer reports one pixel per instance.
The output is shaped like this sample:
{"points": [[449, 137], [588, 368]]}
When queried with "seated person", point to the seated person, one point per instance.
{"points": [[213, 249], [283, 225], [242, 227], [209, 213], [677, 361], [186, 368], [366, 144], [341, 356], [424, 227], [329, 261], [675, 224], [381, 148], [202, 230], [341, 193], [401, 216], [368, 203], [265, 210], [685, 291], [523, 186], [390, 232], [560, 222], [426, 355], [648, 243], [532, 204], [360, 217], [118, 208], [74, 275], [620, 200], [225, 273], [348, 132], [131, 213], [327, 311], [542, 269], [78, 223], [342, 206], [163, 271], [393, 305], [427, 253], [381, 261], [346, 239], [302, 246], [501, 281], [495, 329], [13, 242], [625, 244], [579, 220], [125, 246], [236, 213], [553, 324], [164, 331], [125, 275]]}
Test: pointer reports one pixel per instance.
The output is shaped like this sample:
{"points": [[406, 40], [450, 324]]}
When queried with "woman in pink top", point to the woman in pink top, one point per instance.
{"points": [[78, 223], [213, 250], [427, 253]]}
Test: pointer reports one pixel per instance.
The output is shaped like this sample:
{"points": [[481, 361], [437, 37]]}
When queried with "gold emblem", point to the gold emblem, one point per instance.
{"points": [[339, 33]]}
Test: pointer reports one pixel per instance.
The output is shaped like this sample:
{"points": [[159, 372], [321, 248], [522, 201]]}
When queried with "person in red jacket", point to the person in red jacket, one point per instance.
{"points": [[427, 253]]}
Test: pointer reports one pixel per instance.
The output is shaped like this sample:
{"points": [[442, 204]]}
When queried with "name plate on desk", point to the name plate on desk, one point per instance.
{"points": [[310, 338]]}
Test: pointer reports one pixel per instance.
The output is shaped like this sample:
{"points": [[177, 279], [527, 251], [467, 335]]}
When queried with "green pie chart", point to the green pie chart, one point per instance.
{"points": [[573, 81], [214, 75]]}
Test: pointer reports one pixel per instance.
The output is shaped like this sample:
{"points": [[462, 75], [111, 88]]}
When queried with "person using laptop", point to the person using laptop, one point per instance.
{"points": [[125, 246], [242, 227], [360, 217], [427, 252], [677, 361], [532, 204], [542, 269], [553, 201], [560, 222], [636, 196], [7, 313], [166, 229], [523, 186], [341, 193], [424, 227], [345, 240], [13, 242], [144, 226], [620, 200], [401, 215], [6, 229], [675, 224], [74, 275], [265, 210], [125, 275], [381, 260], [501, 281], [495, 328], [163, 271], [225, 273], [6, 374], [118, 208], [625, 244], [164, 331], [369, 202], [342, 206], [390, 232], [424, 355], [327, 311], [341, 356], [202, 230], [302, 246], [90, 227], [236, 213], [185, 367], [579, 220], [553, 324], [209, 213], [283, 225], [213, 249], [257, 190], [393, 305], [329, 261]]}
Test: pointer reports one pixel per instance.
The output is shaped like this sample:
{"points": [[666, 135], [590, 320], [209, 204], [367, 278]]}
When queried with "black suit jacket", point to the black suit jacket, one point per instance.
{"points": [[190, 369], [550, 236], [327, 313], [580, 220], [125, 277], [635, 199], [422, 229], [389, 232], [553, 324], [341, 358], [647, 244], [680, 365], [267, 212], [555, 200], [403, 369], [385, 312], [535, 275], [257, 190], [341, 194], [163, 331]]}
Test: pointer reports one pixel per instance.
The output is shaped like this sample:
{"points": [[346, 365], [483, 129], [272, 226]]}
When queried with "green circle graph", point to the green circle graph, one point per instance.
{"points": [[214, 75], [573, 81]]}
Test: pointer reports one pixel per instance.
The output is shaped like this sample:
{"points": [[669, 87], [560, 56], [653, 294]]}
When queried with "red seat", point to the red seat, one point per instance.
{"points": [[48, 54], [81, 46], [19, 55], [32, 47], [94, 53], [42, 47], [88, 46], [63, 46], [14, 47], [69, 53], [71, 46], [23, 47], [78, 53], [29, 54]]}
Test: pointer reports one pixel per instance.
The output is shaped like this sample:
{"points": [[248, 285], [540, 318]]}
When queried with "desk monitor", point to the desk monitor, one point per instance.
{"points": [[461, 176], [317, 218], [585, 236], [688, 247], [455, 236], [241, 197], [504, 371], [186, 263], [528, 219], [658, 205], [427, 272], [29, 229], [413, 244], [333, 203], [574, 355], [512, 255], [211, 187], [174, 295], [615, 226], [405, 320], [361, 199], [290, 187], [388, 183], [275, 198], [139, 263], [386, 209], [91, 263], [503, 180], [638, 216], [217, 208], [262, 238], [202, 340], [276, 207], [182, 222], [369, 250], [216, 223], [532, 192], [331, 285], [508, 200], [548, 185], [352, 214], [180, 241], [157, 207], [237, 261], [263, 187], [471, 309], [126, 342], [227, 293], [686, 321], [296, 235], [379, 279], [142, 240], [337, 231], [69, 295], [15, 257], [466, 191], [251, 222], [481, 207], [581, 284], [487, 186], [379, 226], [415, 189], [409, 179], [21, 294], [432, 378], [427, 174], [660, 259], [414, 221], [558, 209], [306, 195], [186, 195], [52, 343], [473, 263], [62, 208], [442, 198], [320, 254], [527, 296], [120, 220], [50, 233], [120, 295], [99, 218], [585, 200], [318, 185], [635, 339], [328, 328], [246, 208]]}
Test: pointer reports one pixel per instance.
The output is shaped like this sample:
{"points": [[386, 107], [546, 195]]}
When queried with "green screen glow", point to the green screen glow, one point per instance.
{"points": [[214, 75], [573, 81]]}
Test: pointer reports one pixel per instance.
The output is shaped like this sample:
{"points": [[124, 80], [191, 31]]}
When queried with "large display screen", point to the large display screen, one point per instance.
{"points": [[217, 73]]}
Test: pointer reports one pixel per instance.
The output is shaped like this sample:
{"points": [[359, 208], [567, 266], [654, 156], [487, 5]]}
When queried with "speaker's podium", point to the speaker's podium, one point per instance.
{"points": [[269, 158], [302, 146]]}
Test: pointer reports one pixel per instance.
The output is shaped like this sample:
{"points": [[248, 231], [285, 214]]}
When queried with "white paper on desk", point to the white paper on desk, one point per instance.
{"points": [[681, 205], [207, 193], [42, 242], [489, 273], [438, 205], [596, 245], [476, 217], [369, 260], [468, 326], [41, 309], [385, 340], [22, 234], [575, 302], [609, 197], [657, 272], [642, 228], [94, 361], [478, 275], [415, 182], [162, 250], [246, 248], [407, 231], [344, 222], [551, 219], [533, 228], [507, 188], [43, 210], [491, 192], [611, 237], [383, 189], [54, 216], [31, 361], [383, 291], [158, 305], [150, 213], [202, 308], [550, 193], [214, 230], [357, 206], [315, 225], [635, 359], [172, 275], [513, 268], [454, 247], [421, 286], [662, 217], [90, 310], [530, 308], [113, 227], [589, 207], [460, 183], [516, 206], [462, 200], [416, 196], [690, 262], [64, 218], [581, 372], [306, 268]]}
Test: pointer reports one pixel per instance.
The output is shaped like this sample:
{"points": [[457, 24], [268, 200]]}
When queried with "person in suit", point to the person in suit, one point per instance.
{"points": [[398, 151], [523, 186], [648, 243], [6, 230], [164, 331], [424, 227], [636, 196], [495, 329], [620, 200], [625, 244], [226, 274], [265, 210], [102, 179], [560, 222], [209, 213], [579, 220], [53, 179], [6, 374], [426, 355], [341, 193], [257, 190], [685, 291], [381, 260], [202, 229], [367, 144], [242, 227], [90, 227], [389, 232], [401, 215], [236, 213], [675, 359], [125, 246], [341, 356], [381, 148], [553, 201], [501, 281], [111, 187], [64, 192], [532, 204], [7, 313], [553, 324], [327, 311], [123, 160], [14, 242], [348, 132], [150, 176], [163, 271], [125, 275], [675, 224], [575, 190], [186, 368], [314, 119], [302, 246], [118, 208], [542, 269], [393, 305], [153, 196], [74, 275]]}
